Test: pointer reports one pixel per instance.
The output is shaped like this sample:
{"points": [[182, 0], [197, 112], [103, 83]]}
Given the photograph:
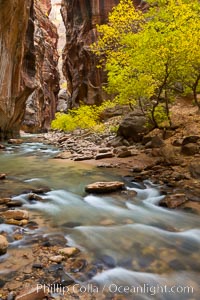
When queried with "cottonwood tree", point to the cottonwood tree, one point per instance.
{"points": [[148, 55]]}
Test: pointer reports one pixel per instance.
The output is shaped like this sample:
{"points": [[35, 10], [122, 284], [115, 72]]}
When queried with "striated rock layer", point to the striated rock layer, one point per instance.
{"points": [[41, 104], [17, 63], [84, 79]]}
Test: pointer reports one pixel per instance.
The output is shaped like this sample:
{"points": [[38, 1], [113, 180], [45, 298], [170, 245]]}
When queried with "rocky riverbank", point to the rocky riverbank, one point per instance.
{"points": [[169, 158]]}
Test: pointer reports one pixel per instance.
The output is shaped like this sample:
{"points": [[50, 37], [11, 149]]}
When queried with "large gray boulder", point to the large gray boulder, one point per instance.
{"points": [[134, 126]]}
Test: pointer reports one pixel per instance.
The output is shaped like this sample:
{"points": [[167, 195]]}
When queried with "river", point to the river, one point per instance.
{"points": [[148, 252]]}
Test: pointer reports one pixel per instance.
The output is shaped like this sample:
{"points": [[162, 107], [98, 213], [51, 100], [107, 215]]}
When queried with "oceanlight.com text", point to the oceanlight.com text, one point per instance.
{"points": [[113, 288]]}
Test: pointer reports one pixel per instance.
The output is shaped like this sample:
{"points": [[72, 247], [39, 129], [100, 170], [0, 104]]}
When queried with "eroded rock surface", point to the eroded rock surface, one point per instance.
{"points": [[17, 63], [41, 104]]}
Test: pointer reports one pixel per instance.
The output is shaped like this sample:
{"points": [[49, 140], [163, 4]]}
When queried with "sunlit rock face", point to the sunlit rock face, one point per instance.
{"points": [[84, 80], [41, 104], [17, 63]]}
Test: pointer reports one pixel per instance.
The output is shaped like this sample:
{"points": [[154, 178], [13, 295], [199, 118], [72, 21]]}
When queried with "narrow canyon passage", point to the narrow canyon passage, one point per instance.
{"points": [[59, 240]]}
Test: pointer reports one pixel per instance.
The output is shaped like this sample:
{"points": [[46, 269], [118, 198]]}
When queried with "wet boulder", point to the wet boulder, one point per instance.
{"points": [[104, 187], [3, 245], [15, 214], [69, 251], [173, 201]]}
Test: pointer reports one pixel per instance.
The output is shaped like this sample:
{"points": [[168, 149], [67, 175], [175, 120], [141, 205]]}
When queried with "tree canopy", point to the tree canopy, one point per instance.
{"points": [[153, 55]]}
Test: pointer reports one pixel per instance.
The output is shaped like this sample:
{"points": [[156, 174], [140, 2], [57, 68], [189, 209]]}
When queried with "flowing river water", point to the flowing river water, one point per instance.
{"points": [[149, 252]]}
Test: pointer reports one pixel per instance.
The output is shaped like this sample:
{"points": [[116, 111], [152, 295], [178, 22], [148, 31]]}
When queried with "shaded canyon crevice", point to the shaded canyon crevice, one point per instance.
{"points": [[85, 81], [41, 104]]}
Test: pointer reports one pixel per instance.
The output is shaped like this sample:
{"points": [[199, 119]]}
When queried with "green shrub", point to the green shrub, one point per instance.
{"points": [[84, 117]]}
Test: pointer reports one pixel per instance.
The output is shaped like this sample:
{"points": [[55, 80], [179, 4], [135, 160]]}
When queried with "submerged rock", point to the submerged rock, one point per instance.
{"points": [[104, 187]]}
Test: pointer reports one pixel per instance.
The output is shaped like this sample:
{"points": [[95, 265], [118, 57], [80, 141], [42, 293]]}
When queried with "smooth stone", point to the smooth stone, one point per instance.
{"points": [[69, 251], [16, 222], [57, 258], [3, 245], [16, 214], [103, 187]]}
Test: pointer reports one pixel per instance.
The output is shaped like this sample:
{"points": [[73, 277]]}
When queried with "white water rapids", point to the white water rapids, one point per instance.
{"points": [[135, 240]]}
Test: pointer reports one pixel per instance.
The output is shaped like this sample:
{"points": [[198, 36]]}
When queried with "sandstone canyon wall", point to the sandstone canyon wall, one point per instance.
{"points": [[79, 64], [17, 63], [41, 104]]}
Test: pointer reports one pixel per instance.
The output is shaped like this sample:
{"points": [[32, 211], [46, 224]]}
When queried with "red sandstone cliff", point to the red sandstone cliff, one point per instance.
{"points": [[17, 63], [41, 104]]}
